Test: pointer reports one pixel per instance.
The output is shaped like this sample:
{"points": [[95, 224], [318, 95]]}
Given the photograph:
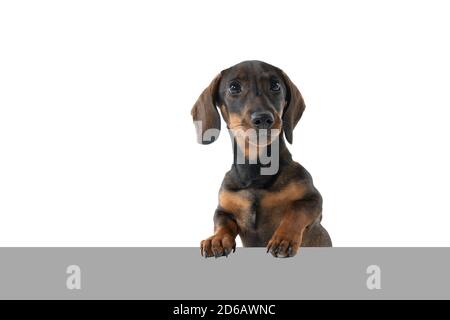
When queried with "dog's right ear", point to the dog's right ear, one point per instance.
{"points": [[205, 114]]}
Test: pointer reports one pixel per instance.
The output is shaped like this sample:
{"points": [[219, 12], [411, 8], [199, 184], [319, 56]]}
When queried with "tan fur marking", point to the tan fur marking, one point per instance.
{"points": [[233, 202], [246, 137], [291, 192], [236, 125], [235, 121]]}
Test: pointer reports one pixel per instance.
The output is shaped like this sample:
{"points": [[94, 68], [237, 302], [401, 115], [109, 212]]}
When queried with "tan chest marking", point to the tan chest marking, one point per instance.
{"points": [[234, 202], [292, 192]]}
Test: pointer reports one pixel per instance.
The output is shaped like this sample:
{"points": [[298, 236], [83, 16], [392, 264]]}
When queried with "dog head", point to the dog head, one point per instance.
{"points": [[251, 95]]}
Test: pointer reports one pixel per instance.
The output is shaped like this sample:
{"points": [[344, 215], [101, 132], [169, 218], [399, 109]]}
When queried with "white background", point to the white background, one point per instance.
{"points": [[97, 147]]}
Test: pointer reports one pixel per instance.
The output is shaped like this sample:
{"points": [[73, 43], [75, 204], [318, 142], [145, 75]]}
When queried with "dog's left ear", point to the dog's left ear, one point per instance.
{"points": [[205, 114], [293, 109]]}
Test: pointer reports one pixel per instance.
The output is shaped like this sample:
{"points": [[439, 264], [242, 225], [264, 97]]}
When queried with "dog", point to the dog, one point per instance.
{"points": [[280, 211]]}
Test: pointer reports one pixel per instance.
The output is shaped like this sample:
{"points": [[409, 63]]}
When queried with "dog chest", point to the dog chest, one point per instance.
{"points": [[256, 208], [242, 204]]}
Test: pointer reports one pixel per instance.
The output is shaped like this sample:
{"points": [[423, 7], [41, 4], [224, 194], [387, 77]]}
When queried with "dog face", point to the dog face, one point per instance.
{"points": [[250, 95]]}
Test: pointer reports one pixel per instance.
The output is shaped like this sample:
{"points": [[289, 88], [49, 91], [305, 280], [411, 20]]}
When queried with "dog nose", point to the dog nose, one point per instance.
{"points": [[262, 120]]}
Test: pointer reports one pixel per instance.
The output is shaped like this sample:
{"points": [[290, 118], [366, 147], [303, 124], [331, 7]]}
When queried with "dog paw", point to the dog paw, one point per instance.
{"points": [[217, 246], [282, 246]]}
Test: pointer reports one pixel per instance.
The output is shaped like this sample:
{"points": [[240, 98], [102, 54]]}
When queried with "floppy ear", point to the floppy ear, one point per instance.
{"points": [[205, 115], [293, 109]]}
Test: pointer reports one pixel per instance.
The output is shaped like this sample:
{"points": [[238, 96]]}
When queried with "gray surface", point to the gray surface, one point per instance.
{"points": [[180, 273]]}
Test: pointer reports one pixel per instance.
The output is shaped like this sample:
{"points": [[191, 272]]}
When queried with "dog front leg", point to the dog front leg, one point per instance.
{"points": [[288, 237], [224, 239]]}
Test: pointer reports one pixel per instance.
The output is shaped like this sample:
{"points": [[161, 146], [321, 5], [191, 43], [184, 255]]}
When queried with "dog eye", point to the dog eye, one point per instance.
{"points": [[275, 85], [235, 87]]}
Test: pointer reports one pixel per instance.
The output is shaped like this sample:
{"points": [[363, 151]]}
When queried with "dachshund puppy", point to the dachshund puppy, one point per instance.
{"points": [[266, 198]]}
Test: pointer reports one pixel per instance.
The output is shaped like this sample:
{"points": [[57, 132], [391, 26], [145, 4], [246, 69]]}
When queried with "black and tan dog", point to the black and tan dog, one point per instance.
{"points": [[281, 211]]}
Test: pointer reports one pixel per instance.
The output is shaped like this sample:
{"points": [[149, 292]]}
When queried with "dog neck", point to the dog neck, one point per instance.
{"points": [[251, 173]]}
